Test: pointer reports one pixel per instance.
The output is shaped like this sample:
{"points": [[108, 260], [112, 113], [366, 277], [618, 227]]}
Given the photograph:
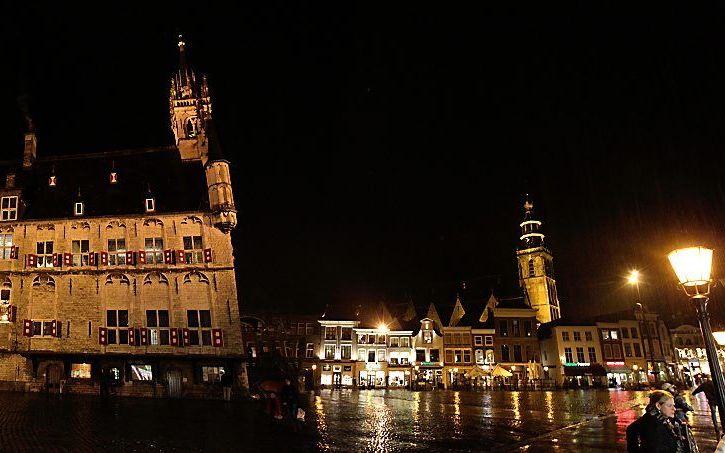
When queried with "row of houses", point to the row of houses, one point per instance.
{"points": [[483, 343]]}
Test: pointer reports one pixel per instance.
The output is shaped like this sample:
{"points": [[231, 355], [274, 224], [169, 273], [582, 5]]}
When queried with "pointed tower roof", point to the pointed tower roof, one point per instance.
{"points": [[215, 150], [433, 314], [531, 235], [185, 77], [457, 313]]}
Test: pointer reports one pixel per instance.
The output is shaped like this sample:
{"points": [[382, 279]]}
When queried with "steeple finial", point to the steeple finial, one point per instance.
{"points": [[531, 235]]}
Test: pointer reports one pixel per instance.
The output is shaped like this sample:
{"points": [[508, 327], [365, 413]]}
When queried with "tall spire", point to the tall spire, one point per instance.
{"points": [[184, 76], [531, 235]]}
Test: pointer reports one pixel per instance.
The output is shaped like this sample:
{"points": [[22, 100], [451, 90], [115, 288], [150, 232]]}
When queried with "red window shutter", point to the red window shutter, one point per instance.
{"points": [[144, 336], [207, 255], [131, 336], [27, 328], [142, 257], [67, 259], [180, 257], [14, 252], [185, 333], [58, 328], [130, 258], [32, 260], [13, 313], [174, 334], [217, 337], [104, 258], [93, 259], [102, 338], [56, 259], [53, 328], [168, 256]]}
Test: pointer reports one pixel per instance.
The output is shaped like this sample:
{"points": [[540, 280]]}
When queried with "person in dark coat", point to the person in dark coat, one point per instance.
{"points": [[708, 388], [227, 381], [656, 431], [681, 406], [289, 400]]}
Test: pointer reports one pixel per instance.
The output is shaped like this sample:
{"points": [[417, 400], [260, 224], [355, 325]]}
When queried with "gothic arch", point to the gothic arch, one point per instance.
{"points": [[81, 225], [44, 280], [191, 219], [115, 224], [202, 278], [153, 222], [122, 278], [46, 226], [161, 278], [7, 283], [7, 229]]}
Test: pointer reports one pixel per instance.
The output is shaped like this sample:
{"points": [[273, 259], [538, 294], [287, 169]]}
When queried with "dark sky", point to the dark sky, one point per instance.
{"points": [[384, 151]]}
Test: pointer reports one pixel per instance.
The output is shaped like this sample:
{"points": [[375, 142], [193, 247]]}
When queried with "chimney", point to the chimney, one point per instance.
{"points": [[31, 149]]}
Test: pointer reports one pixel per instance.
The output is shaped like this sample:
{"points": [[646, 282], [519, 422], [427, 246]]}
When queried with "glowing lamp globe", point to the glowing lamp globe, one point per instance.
{"points": [[719, 337], [692, 265]]}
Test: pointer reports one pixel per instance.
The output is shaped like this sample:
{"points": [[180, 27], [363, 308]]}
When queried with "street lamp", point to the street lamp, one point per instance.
{"points": [[633, 279], [693, 266]]}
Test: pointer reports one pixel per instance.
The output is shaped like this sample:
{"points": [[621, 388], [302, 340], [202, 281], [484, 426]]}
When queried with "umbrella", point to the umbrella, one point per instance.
{"points": [[501, 371], [476, 372]]}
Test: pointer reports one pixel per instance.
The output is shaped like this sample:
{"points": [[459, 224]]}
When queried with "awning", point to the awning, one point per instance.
{"points": [[501, 371], [589, 370]]}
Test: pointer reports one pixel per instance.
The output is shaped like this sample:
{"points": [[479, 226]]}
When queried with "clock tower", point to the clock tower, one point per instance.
{"points": [[536, 268]]}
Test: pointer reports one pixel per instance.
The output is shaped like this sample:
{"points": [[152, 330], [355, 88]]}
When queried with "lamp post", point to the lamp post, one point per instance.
{"points": [[639, 311], [693, 266]]}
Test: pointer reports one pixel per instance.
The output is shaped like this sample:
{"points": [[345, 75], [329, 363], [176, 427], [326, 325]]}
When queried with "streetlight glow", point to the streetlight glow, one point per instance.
{"points": [[692, 265], [382, 327], [633, 277]]}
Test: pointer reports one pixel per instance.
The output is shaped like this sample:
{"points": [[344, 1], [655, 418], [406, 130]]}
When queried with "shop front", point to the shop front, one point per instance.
{"points": [[618, 374], [428, 375], [337, 375], [584, 375], [372, 375]]}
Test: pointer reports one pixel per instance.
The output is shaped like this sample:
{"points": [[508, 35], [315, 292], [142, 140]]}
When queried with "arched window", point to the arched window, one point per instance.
{"points": [[531, 268], [190, 127]]}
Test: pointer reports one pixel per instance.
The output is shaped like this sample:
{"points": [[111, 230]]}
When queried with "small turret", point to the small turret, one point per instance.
{"points": [[219, 184]]}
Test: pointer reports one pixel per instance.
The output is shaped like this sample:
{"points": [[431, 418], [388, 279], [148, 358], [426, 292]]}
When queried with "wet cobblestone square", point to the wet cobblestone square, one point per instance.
{"points": [[337, 420]]}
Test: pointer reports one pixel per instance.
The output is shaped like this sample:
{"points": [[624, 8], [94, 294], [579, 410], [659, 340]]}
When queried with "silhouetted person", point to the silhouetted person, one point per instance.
{"points": [[708, 389], [105, 382], [227, 381]]}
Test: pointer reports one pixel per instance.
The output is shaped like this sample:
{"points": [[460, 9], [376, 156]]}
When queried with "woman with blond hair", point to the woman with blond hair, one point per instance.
{"points": [[655, 431]]}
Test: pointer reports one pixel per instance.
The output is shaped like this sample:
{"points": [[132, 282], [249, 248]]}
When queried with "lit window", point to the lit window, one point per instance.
{"points": [[116, 252], [489, 340], [78, 208], [6, 246], [578, 337], [565, 336], [80, 252], [9, 208], [80, 370], [310, 350], [404, 342], [150, 205], [193, 250], [329, 351], [154, 251], [212, 373], [5, 308], [141, 373]]}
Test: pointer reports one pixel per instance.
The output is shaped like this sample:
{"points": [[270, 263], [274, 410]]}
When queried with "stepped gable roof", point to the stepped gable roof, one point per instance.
{"points": [[177, 186]]}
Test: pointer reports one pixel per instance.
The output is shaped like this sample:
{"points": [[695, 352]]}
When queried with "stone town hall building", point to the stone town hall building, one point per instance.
{"points": [[120, 263]]}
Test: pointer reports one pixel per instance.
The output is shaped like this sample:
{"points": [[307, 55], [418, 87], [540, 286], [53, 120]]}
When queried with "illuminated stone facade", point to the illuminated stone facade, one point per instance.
{"points": [[536, 269], [117, 267]]}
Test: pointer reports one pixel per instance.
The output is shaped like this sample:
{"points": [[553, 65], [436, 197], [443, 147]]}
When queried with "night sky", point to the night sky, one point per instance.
{"points": [[384, 152]]}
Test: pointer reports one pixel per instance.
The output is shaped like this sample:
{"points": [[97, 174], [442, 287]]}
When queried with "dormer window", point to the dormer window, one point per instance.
{"points": [[113, 178], [9, 208], [78, 208], [150, 205], [52, 181]]}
